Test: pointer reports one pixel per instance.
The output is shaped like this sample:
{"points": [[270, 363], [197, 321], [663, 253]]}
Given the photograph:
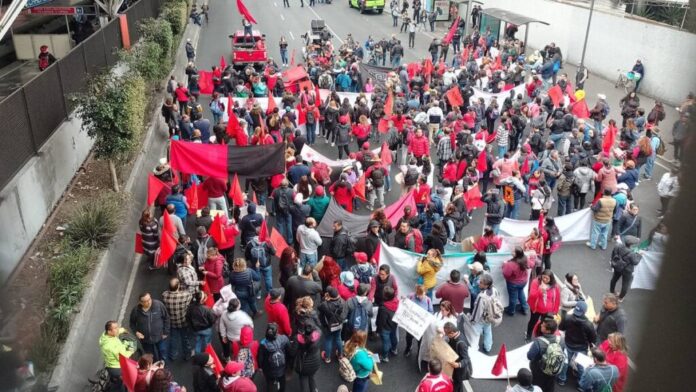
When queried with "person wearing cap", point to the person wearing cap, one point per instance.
{"points": [[362, 270], [332, 314], [580, 335], [318, 203], [231, 379]]}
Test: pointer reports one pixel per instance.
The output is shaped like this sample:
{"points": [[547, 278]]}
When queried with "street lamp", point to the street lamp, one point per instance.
{"points": [[580, 75]]}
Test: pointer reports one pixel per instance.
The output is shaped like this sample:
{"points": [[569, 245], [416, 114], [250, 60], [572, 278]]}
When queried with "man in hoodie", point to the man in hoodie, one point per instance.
{"points": [[276, 312], [283, 197], [204, 377], [149, 320], [601, 376], [343, 137], [111, 347], [579, 336], [386, 327], [249, 223], [494, 209], [341, 244], [309, 240]]}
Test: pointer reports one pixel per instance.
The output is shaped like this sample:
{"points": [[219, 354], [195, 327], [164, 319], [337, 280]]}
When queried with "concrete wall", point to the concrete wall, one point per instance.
{"points": [[29, 198], [615, 42]]}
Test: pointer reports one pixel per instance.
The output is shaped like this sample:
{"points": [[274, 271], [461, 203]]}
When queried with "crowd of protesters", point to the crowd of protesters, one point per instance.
{"points": [[531, 148]]}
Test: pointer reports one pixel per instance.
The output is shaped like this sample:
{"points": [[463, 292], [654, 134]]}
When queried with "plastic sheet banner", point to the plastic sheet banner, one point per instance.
{"points": [[403, 267], [573, 227], [647, 271], [500, 97], [412, 318], [356, 225]]}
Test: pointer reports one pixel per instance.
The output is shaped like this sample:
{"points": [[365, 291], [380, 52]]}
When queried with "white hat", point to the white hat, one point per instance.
{"points": [[601, 96], [163, 161]]}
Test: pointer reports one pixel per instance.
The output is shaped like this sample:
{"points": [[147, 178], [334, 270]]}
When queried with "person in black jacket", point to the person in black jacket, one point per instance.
{"points": [[273, 358], [437, 239], [494, 209], [579, 336], [305, 349], [386, 327], [204, 378], [624, 261], [462, 366], [149, 320], [250, 223], [341, 244], [332, 313], [201, 320]]}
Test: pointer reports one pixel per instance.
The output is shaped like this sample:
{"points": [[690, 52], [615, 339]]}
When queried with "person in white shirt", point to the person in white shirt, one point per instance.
{"points": [[435, 116], [309, 240], [667, 188]]}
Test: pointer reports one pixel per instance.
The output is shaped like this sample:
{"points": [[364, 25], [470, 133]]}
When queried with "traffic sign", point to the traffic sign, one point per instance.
{"points": [[77, 10], [34, 3]]}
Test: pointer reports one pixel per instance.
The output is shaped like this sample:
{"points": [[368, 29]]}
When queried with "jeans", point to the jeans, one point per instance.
{"points": [[267, 276], [557, 139], [361, 384], [390, 341], [310, 383], [626, 279], [311, 133], [306, 258], [395, 20], [284, 224], [341, 262], [159, 350], [116, 380], [501, 151], [202, 339], [217, 203], [495, 228], [396, 61], [247, 300], [564, 205], [516, 294], [180, 338], [284, 56], [511, 211], [571, 354], [333, 340], [376, 193], [487, 332], [599, 233], [649, 165]]}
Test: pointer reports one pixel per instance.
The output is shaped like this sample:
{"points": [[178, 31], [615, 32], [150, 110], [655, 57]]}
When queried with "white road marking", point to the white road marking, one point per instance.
{"points": [[292, 36], [467, 386], [131, 280], [275, 4], [327, 26], [282, 17]]}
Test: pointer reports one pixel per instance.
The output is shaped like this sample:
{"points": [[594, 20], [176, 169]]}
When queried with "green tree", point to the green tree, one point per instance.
{"points": [[112, 111]]}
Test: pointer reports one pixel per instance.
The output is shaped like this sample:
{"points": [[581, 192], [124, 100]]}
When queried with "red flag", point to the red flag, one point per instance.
{"points": [[205, 82], [252, 197], [481, 162], [233, 126], [278, 242], [428, 67], [245, 12], [223, 63], [292, 56], [500, 362], [556, 94], [452, 30], [209, 300], [383, 125], [609, 139], [385, 155], [154, 187], [217, 365], [129, 371], [455, 96], [236, 194], [139, 243], [271, 104], [472, 197], [377, 254], [263, 232], [317, 95], [271, 82], [359, 188], [167, 240], [389, 104], [301, 115], [196, 197], [580, 109], [217, 231]]}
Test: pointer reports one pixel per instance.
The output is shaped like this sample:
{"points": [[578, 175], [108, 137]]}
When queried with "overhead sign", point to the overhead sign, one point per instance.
{"points": [[34, 3], [77, 10]]}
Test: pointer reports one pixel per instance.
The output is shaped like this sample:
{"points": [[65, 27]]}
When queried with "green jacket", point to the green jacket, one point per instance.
{"points": [[111, 347], [318, 206], [362, 363]]}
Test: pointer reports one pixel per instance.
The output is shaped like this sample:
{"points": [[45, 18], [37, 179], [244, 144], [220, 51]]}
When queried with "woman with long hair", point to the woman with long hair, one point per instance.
{"points": [[515, 272], [162, 382], [445, 314], [360, 359], [427, 269], [571, 293], [361, 131], [544, 297], [617, 354], [242, 278], [304, 314], [548, 233], [288, 265], [304, 187], [534, 247]]}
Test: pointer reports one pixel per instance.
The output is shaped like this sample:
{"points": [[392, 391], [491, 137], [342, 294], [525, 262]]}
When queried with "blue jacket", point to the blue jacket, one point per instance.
{"points": [[179, 205], [630, 178]]}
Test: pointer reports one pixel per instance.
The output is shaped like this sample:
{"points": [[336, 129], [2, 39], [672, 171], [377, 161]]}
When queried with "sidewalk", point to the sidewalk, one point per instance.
{"points": [[110, 289]]}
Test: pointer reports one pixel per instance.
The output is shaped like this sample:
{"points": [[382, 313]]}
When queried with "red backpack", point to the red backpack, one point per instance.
{"points": [[417, 240]]}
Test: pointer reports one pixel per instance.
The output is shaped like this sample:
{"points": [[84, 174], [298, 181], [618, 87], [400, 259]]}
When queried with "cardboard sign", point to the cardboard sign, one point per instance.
{"points": [[441, 350]]}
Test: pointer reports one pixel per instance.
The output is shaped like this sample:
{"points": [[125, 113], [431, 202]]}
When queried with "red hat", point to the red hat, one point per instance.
{"points": [[233, 367], [319, 190], [366, 146], [360, 257]]}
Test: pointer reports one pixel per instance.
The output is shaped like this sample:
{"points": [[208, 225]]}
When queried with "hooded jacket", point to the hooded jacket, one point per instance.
{"points": [[309, 239], [428, 268], [539, 302], [111, 347], [204, 379], [278, 313], [231, 324], [237, 384], [306, 350], [249, 223], [579, 332], [246, 340]]}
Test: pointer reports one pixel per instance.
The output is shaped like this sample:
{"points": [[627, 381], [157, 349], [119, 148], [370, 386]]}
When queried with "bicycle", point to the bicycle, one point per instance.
{"points": [[627, 80], [102, 380]]}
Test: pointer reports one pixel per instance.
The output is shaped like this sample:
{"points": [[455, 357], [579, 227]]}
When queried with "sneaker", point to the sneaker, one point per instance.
{"points": [[333, 144], [327, 359], [384, 359], [394, 352], [590, 245], [561, 382]]}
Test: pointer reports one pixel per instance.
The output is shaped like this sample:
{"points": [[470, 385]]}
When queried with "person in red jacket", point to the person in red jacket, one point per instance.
{"points": [[419, 146], [277, 312], [246, 351], [449, 173], [343, 192], [617, 354], [516, 274], [231, 379], [212, 270], [544, 297], [361, 131], [435, 380], [421, 193]]}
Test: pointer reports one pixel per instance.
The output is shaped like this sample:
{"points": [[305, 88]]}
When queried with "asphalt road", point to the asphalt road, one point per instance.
{"points": [[400, 373]]}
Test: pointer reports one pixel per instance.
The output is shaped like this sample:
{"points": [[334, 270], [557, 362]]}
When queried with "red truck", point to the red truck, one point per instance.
{"points": [[248, 50]]}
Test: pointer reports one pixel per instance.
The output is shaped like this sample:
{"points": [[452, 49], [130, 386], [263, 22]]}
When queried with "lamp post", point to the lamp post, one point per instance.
{"points": [[581, 74]]}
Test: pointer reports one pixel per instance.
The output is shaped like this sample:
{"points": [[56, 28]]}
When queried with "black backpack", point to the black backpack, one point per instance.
{"points": [[411, 176], [276, 357], [258, 253], [283, 202], [377, 177]]}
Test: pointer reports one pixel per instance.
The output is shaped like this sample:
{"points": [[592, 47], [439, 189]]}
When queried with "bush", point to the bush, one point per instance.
{"points": [[159, 31], [146, 59], [176, 13], [93, 225]]}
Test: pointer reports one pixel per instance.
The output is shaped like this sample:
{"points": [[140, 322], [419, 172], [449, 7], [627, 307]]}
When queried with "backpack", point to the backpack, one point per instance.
{"points": [[358, 318], [310, 118], [377, 177], [258, 253], [283, 202], [509, 195], [393, 140], [276, 358], [617, 262], [555, 240], [605, 110], [345, 369], [417, 240], [493, 311], [244, 356], [411, 176], [661, 148], [202, 253], [553, 358], [363, 275], [491, 248]]}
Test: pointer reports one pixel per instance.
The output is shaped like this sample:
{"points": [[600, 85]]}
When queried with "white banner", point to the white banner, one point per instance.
{"points": [[647, 271], [573, 227], [412, 318], [500, 97], [516, 360], [311, 155]]}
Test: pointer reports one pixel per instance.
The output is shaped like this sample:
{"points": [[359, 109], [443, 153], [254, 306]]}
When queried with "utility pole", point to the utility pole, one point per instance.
{"points": [[587, 34]]}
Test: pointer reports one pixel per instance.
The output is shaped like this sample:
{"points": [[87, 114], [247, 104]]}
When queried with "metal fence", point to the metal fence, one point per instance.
{"points": [[33, 112]]}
